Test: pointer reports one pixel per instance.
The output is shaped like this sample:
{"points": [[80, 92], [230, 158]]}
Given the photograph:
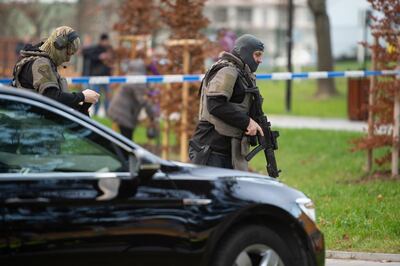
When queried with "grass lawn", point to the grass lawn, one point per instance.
{"points": [[359, 216], [303, 101]]}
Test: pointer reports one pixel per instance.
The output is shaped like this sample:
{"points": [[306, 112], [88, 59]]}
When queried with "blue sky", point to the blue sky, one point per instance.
{"points": [[346, 23]]}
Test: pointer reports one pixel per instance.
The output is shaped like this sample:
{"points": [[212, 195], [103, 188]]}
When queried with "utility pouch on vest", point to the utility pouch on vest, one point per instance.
{"points": [[199, 154], [239, 148]]}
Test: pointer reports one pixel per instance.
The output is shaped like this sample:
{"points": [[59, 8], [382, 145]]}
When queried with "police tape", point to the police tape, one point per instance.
{"points": [[140, 79]]}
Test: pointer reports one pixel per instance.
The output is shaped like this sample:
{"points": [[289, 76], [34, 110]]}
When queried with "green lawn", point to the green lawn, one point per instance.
{"points": [[359, 216], [303, 101]]}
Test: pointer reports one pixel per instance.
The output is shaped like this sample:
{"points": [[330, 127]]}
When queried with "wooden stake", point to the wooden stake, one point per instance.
{"points": [[165, 139], [184, 140], [133, 41], [370, 103], [396, 126], [165, 132]]}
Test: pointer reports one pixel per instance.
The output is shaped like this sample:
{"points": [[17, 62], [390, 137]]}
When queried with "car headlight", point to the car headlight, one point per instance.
{"points": [[308, 207]]}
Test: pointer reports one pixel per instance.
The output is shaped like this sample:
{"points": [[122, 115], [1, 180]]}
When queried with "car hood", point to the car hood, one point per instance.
{"points": [[236, 186], [212, 173]]}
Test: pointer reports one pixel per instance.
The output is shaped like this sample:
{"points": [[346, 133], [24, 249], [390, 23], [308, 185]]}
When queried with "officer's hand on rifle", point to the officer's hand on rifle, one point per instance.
{"points": [[253, 128]]}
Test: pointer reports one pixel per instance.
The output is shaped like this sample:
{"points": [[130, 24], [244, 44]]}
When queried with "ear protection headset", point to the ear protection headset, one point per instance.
{"points": [[62, 41]]}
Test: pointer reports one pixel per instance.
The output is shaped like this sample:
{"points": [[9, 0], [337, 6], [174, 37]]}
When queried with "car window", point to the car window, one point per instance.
{"points": [[34, 140]]}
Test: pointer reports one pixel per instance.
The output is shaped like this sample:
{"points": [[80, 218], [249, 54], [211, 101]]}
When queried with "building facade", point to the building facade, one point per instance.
{"points": [[268, 20]]}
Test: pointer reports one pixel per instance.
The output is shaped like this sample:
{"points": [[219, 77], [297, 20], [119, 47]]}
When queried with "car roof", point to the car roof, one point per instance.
{"points": [[27, 94]]}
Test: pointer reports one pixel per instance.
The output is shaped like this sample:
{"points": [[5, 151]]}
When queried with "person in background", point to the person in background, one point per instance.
{"points": [[129, 100], [36, 69], [98, 60], [226, 39]]}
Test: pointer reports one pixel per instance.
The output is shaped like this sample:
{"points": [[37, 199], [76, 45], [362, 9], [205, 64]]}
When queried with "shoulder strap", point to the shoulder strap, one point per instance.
{"points": [[243, 75]]}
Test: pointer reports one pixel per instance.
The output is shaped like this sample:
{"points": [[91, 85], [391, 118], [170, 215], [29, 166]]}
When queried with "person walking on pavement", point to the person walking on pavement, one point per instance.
{"points": [[221, 136], [37, 69], [98, 60]]}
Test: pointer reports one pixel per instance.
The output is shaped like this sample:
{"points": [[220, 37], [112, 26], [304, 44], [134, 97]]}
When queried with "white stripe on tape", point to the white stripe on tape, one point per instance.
{"points": [[281, 75], [355, 74], [390, 72], [136, 79], [99, 80], [173, 78], [318, 75]]}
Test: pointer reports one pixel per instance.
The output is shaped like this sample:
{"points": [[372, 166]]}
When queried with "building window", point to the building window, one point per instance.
{"points": [[244, 14], [221, 14]]}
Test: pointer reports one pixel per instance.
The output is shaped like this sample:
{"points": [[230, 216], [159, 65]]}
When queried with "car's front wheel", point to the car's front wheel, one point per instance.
{"points": [[252, 245]]}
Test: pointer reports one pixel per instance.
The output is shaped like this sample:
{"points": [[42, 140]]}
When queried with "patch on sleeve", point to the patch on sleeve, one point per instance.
{"points": [[43, 75], [223, 82], [45, 70]]}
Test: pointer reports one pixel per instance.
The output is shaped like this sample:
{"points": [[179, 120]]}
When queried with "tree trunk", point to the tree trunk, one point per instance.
{"points": [[326, 87], [84, 16]]}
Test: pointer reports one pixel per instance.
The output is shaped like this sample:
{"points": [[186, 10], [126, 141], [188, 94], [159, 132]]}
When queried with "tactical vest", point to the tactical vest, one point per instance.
{"points": [[30, 56], [244, 79]]}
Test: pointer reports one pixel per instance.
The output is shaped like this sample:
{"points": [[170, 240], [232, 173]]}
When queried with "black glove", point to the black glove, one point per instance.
{"points": [[84, 108]]}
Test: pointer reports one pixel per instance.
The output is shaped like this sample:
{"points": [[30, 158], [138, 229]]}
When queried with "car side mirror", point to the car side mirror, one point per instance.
{"points": [[140, 167]]}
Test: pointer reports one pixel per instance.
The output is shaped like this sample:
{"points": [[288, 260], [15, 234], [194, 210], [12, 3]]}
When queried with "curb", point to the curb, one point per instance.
{"points": [[387, 257]]}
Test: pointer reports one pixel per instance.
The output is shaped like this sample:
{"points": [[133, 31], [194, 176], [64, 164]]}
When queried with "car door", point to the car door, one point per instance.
{"points": [[66, 192]]}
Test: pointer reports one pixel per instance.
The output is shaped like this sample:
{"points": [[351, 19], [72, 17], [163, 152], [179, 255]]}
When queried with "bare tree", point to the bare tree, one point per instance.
{"points": [[326, 87]]}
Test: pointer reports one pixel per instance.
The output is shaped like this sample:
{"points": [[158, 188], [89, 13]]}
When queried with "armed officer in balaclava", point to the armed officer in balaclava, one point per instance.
{"points": [[37, 69], [221, 138]]}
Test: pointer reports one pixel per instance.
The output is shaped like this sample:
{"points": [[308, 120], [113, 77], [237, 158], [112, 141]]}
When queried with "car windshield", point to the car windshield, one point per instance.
{"points": [[54, 138]]}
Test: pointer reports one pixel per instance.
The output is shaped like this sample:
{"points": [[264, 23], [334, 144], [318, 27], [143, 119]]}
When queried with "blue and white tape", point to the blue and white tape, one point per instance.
{"points": [[197, 78]]}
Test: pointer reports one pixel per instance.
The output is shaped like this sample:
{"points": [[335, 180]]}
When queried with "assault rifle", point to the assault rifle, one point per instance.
{"points": [[268, 142]]}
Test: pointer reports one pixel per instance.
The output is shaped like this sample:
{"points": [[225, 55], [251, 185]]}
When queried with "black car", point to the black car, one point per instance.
{"points": [[74, 192]]}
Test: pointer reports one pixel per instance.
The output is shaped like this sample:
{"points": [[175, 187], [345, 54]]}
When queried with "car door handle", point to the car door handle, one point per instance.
{"points": [[27, 200]]}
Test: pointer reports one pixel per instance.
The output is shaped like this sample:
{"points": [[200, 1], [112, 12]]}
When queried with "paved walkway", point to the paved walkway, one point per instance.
{"points": [[285, 121], [335, 262]]}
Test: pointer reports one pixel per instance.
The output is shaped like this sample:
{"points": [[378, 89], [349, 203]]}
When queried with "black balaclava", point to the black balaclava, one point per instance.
{"points": [[245, 46]]}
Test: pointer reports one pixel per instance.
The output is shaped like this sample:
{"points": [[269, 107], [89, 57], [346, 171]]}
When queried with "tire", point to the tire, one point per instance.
{"points": [[251, 245]]}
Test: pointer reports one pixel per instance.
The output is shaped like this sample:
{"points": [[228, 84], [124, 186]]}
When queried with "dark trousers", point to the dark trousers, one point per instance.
{"points": [[219, 160], [126, 131], [212, 158]]}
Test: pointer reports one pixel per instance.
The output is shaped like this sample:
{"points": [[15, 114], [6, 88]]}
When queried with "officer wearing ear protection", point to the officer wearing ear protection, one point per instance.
{"points": [[37, 69]]}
